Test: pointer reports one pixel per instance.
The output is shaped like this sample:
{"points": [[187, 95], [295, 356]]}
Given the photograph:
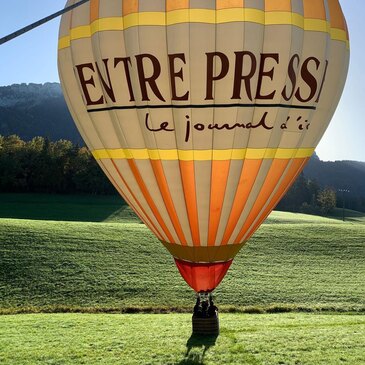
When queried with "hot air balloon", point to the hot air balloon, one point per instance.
{"points": [[202, 113]]}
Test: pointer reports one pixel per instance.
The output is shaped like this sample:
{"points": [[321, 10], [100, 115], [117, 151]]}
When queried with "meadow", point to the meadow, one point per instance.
{"points": [[55, 260], [93, 339]]}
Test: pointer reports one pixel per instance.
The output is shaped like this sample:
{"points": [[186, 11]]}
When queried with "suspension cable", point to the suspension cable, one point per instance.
{"points": [[40, 22]]}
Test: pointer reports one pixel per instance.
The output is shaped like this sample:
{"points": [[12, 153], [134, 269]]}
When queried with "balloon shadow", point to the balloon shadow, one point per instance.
{"points": [[200, 342]]}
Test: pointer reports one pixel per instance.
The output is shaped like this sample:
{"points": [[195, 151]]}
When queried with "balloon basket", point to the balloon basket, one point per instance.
{"points": [[205, 326]]}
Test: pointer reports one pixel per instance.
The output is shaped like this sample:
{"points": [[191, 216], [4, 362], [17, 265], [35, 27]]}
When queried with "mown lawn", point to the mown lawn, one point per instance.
{"points": [[350, 215], [294, 262], [290, 339], [84, 208], [94, 208], [67, 261]]}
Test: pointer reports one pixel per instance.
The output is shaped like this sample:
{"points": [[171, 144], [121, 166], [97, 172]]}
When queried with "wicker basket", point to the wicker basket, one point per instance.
{"points": [[205, 326]]}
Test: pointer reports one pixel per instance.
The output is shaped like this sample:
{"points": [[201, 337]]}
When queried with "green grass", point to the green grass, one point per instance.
{"points": [[105, 260], [289, 339], [278, 217], [84, 208], [89, 208], [311, 264], [350, 215]]}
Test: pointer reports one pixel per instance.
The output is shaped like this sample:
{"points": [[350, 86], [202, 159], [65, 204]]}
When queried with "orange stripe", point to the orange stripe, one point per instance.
{"points": [[130, 6], [337, 19], [277, 168], [220, 171], [166, 196], [292, 173], [278, 5], [149, 199], [149, 223], [177, 4], [228, 4], [94, 10], [188, 181], [144, 218], [250, 169], [314, 9]]}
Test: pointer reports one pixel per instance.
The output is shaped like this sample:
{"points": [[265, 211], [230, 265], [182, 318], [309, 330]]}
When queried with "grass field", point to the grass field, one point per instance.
{"points": [[88, 208], [291, 339], [350, 215], [294, 262], [92, 255], [85, 208]]}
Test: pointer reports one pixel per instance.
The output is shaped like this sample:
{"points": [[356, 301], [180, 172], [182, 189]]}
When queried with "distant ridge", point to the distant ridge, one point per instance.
{"points": [[348, 175], [30, 110]]}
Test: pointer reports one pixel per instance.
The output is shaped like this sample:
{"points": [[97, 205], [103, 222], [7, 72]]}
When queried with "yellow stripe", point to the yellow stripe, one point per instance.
{"points": [[231, 15], [338, 34], [64, 42], [281, 17], [81, 32], [317, 25], [177, 17], [203, 155], [130, 20], [202, 16], [105, 24]]}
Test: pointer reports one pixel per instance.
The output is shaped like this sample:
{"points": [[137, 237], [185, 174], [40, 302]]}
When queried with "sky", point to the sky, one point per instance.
{"points": [[33, 58]]}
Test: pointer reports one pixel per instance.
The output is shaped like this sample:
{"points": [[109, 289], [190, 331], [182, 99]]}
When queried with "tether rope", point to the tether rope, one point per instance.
{"points": [[40, 22]]}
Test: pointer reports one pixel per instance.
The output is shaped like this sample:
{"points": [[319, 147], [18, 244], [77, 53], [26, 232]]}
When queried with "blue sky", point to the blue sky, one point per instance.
{"points": [[33, 58]]}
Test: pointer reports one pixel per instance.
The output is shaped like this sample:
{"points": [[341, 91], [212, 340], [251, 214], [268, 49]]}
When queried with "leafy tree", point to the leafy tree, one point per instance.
{"points": [[12, 174], [49, 167], [302, 196], [327, 200]]}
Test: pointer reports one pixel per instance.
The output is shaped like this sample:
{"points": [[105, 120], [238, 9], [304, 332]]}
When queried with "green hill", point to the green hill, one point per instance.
{"points": [[110, 339], [31, 110], [294, 261], [114, 264], [350, 215], [348, 175]]}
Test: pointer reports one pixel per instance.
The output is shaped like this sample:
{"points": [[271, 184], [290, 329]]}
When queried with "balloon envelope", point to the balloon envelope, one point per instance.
{"points": [[202, 113]]}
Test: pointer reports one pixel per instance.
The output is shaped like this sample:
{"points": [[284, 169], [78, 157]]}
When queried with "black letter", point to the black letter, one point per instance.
{"points": [[90, 81], [143, 80], [125, 61], [107, 88], [238, 77], [309, 79], [176, 74], [293, 78], [210, 66], [269, 74]]}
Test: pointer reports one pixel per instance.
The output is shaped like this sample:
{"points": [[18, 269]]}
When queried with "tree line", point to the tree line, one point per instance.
{"points": [[346, 177], [306, 196], [42, 166]]}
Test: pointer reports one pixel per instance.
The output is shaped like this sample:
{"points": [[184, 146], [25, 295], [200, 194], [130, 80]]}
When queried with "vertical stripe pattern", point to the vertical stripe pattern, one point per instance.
{"points": [[203, 113]]}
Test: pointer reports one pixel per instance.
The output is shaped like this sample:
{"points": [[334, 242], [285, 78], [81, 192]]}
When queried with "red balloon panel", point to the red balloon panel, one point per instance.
{"points": [[203, 277]]}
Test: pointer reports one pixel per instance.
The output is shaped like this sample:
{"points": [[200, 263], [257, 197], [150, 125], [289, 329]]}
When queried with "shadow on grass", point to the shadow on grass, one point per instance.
{"points": [[78, 208], [196, 348]]}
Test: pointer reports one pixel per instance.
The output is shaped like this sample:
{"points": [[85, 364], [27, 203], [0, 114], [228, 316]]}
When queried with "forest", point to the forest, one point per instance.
{"points": [[42, 166], [62, 167]]}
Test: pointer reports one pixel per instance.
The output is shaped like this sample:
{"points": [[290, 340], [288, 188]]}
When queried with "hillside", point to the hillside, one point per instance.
{"points": [[349, 175], [36, 110], [120, 276], [293, 262], [156, 339], [40, 110]]}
